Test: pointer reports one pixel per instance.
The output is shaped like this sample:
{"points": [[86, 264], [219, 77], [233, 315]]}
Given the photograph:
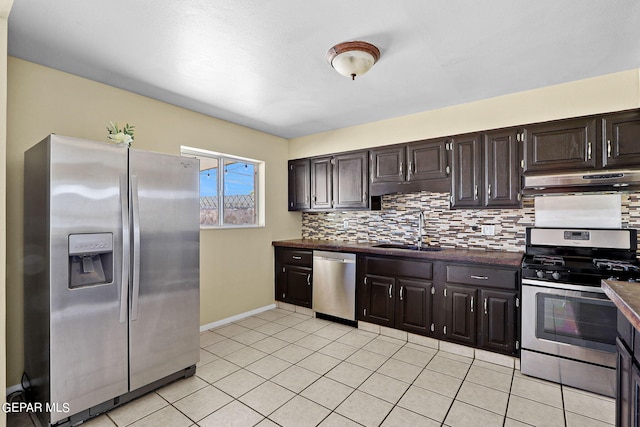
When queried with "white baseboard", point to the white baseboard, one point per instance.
{"points": [[236, 317]]}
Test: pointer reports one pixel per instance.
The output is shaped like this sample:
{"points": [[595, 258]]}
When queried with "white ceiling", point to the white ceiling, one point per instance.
{"points": [[262, 63]]}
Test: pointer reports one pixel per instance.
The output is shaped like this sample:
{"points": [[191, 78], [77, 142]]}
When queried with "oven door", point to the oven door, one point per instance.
{"points": [[577, 323]]}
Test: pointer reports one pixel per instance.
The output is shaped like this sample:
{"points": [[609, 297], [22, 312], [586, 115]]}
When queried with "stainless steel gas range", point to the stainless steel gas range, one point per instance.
{"points": [[568, 323]]}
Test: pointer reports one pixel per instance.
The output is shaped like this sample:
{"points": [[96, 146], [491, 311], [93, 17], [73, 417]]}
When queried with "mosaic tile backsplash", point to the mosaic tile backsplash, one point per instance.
{"points": [[397, 222]]}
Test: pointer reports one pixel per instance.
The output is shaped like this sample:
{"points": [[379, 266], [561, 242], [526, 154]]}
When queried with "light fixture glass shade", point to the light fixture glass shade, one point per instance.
{"points": [[353, 63], [353, 59]]}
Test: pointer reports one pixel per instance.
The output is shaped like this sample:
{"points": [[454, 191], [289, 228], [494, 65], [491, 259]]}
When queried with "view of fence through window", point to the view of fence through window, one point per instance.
{"points": [[230, 189]]}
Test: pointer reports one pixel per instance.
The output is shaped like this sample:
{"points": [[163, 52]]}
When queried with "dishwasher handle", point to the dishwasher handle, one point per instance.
{"points": [[340, 260]]}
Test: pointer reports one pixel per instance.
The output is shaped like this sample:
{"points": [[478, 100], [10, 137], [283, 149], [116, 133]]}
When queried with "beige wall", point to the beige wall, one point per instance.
{"points": [[236, 265], [5, 8], [611, 92]]}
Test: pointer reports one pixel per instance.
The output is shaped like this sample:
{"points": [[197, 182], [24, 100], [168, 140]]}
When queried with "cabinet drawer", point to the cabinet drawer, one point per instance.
{"points": [[296, 257], [399, 267], [482, 276]]}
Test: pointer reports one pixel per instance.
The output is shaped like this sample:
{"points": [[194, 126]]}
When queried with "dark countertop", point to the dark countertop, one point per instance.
{"points": [[626, 296], [498, 258]]}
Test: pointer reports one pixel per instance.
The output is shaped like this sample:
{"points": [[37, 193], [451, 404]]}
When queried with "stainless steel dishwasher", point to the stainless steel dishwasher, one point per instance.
{"points": [[334, 284]]}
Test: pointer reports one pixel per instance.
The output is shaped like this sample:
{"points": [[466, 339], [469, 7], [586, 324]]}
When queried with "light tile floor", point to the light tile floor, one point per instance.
{"points": [[289, 369]]}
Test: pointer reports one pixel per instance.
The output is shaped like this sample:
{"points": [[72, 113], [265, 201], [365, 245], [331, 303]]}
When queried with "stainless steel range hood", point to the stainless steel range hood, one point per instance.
{"points": [[582, 181]]}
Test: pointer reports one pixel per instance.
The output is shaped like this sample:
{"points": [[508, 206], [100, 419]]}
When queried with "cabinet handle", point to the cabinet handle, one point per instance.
{"points": [[447, 170], [296, 257], [309, 279], [608, 148], [364, 196], [390, 291], [485, 306], [409, 170], [475, 193], [365, 280], [401, 292], [472, 301], [588, 150], [489, 191], [480, 277], [401, 169]]}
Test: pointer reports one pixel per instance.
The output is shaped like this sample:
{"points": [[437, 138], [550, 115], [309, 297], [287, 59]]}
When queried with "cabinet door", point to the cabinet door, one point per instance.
{"points": [[298, 285], [379, 302], [501, 169], [498, 330], [415, 306], [466, 162], [623, 385], [561, 146], [387, 164], [321, 182], [427, 160], [622, 139], [634, 401], [299, 185], [350, 184], [461, 314]]}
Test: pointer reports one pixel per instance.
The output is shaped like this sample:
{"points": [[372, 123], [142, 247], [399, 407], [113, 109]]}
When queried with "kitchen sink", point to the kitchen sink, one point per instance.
{"points": [[408, 247]]}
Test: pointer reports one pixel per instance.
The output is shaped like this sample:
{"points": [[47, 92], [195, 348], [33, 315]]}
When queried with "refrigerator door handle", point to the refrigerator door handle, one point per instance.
{"points": [[124, 284], [135, 214]]}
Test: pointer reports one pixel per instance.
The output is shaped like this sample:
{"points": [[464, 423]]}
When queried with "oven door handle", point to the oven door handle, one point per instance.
{"points": [[564, 286]]}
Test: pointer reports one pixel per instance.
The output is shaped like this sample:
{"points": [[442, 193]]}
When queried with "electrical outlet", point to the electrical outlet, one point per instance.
{"points": [[345, 224], [489, 230]]}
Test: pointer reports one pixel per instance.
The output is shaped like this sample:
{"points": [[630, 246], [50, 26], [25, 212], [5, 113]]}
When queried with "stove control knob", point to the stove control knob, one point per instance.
{"points": [[540, 273], [555, 275]]}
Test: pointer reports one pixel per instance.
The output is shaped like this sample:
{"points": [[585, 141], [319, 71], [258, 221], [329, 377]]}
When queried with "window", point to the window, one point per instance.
{"points": [[231, 189]]}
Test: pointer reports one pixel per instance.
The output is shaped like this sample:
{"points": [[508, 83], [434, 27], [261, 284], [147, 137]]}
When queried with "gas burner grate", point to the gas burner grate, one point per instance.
{"points": [[614, 265], [548, 260]]}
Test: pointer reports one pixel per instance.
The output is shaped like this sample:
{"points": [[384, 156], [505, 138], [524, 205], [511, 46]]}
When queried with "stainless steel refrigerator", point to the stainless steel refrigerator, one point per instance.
{"points": [[111, 274]]}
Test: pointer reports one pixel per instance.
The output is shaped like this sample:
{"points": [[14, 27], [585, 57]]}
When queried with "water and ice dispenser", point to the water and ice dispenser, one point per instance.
{"points": [[90, 259]]}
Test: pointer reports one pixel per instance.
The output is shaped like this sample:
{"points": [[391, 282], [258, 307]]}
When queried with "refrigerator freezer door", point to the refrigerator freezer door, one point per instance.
{"points": [[88, 357], [165, 289]]}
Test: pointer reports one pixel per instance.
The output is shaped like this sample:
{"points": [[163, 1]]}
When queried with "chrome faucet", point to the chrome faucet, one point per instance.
{"points": [[420, 228]]}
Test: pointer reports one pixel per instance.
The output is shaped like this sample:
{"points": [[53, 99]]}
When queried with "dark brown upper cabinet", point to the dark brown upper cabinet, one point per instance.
{"points": [[466, 182], [350, 184], [486, 170], [427, 160], [621, 139], [321, 183], [387, 164], [501, 169], [411, 167], [561, 146], [299, 185]]}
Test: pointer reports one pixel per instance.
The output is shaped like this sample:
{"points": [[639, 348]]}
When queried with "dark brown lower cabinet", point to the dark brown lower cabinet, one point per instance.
{"points": [[378, 300], [294, 276], [461, 318], [623, 385], [498, 320], [298, 290], [396, 293], [481, 305], [634, 406], [414, 306]]}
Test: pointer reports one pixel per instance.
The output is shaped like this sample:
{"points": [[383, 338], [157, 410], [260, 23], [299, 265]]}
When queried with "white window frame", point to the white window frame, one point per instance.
{"points": [[259, 189]]}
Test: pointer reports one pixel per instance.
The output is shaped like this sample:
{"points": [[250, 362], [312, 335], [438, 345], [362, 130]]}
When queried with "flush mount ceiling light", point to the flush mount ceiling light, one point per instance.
{"points": [[353, 59]]}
